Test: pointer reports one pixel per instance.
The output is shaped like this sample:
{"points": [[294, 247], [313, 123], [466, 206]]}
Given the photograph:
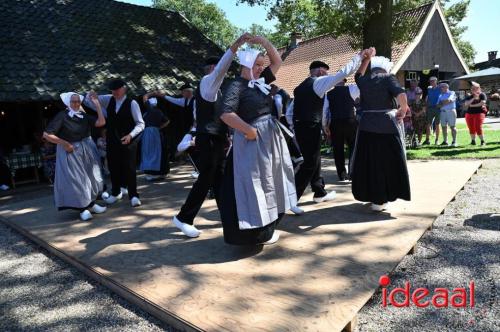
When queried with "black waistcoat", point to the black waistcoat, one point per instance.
{"points": [[188, 116], [207, 122], [341, 103], [119, 124], [307, 106]]}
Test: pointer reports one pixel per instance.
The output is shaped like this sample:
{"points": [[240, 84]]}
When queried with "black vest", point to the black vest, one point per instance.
{"points": [[207, 122], [341, 103], [307, 106], [188, 117], [119, 124]]}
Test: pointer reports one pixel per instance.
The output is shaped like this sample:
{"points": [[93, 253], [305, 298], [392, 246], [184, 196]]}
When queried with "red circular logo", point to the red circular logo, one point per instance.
{"points": [[384, 281]]}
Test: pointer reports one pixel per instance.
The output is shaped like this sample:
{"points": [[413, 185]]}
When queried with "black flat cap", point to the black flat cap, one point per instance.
{"points": [[116, 83], [318, 64], [213, 60], [186, 86]]}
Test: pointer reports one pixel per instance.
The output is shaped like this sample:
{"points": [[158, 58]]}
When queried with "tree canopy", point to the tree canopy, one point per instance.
{"points": [[317, 17], [206, 17], [348, 17]]}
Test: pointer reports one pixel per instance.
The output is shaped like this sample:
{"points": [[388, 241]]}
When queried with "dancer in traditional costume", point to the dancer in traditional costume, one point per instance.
{"points": [[379, 172], [258, 185], [211, 138], [307, 117], [124, 124], [78, 178], [181, 120], [340, 124], [153, 160]]}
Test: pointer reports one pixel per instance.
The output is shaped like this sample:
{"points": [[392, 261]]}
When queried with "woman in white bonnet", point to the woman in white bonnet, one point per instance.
{"points": [[258, 185], [78, 178], [379, 172]]}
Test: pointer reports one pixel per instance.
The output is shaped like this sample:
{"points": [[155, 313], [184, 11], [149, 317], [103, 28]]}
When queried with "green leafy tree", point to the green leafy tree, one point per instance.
{"points": [[454, 15], [349, 17], [206, 17]]}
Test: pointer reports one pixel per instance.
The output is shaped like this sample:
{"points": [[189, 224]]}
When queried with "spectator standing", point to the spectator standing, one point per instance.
{"points": [[476, 112], [418, 119], [433, 113], [447, 105]]}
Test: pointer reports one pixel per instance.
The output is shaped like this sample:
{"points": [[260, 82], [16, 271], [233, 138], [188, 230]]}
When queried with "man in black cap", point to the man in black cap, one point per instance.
{"points": [[307, 116], [339, 122], [211, 138], [123, 123]]}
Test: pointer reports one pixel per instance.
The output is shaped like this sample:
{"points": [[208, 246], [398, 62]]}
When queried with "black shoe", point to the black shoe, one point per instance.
{"points": [[444, 143], [343, 176], [426, 142], [473, 142], [483, 143]]}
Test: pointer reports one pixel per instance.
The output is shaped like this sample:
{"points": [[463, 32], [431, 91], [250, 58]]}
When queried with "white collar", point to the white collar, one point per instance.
{"points": [[78, 114], [121, 99]]}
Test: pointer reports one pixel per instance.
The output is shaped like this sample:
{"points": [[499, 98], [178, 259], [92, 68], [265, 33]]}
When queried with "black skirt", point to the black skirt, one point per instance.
{"points": [[229, 214], [379, 173]]}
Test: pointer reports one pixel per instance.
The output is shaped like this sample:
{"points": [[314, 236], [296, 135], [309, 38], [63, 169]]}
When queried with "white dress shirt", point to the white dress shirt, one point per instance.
{"points": [[210, 84], [324, 84], [134, 108], [186, 143]]}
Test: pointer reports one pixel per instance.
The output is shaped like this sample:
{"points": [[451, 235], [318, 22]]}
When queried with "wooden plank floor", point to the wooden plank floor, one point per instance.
{"points": [[316, 278]]}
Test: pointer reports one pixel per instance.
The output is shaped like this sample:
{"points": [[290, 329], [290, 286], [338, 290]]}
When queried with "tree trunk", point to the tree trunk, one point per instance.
{"points": [[377, 29]]}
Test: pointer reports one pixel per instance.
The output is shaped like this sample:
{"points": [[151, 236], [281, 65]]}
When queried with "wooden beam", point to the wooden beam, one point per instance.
{"points": [[351, 325]]}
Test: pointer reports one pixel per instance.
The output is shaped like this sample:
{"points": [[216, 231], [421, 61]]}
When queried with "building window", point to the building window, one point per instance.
{"points": [[412, 75]]}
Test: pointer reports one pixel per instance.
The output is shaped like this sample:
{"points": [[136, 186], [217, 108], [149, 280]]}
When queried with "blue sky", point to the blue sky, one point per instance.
{"points": [[482, 21]]}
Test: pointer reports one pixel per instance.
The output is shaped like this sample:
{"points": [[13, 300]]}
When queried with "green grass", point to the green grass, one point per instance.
{"points": [[464, 150]]}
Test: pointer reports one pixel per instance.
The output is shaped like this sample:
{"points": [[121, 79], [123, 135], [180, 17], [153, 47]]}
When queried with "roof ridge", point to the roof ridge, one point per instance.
{"points": [[316, 37], [121, 2]]}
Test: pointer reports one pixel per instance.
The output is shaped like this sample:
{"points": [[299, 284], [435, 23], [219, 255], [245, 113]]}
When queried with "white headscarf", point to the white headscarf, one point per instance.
{"points": [[381, 62], [66, 99], [247, 58]]}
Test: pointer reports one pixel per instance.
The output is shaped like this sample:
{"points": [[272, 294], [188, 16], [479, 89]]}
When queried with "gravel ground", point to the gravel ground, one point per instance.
{"points": [[463, 245], [40, 292]]}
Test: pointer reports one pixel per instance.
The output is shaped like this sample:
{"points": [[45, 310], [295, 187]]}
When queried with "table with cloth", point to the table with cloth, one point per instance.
{"points": [[18, 160]]}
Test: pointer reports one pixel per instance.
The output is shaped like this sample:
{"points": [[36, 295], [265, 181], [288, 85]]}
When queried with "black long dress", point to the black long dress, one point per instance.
{"points": [[379, 172]]}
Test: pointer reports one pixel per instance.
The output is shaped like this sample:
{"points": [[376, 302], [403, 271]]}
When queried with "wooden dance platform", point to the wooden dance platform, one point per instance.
{"points": [[324, 268]]}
